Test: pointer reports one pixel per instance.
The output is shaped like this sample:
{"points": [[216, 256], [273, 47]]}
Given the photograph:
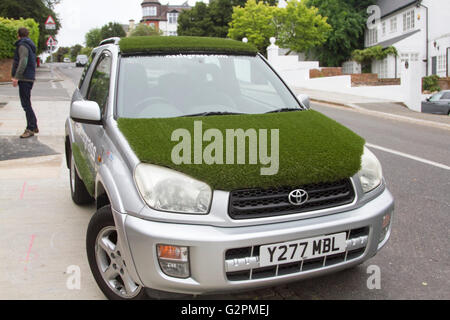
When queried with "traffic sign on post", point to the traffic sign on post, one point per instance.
{"points": [[51, 42], [50, 23]]}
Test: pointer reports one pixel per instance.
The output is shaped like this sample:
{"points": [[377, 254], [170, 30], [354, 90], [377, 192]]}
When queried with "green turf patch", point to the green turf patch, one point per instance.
{"points": [[84, 170], [312, 148], [183, 44]]}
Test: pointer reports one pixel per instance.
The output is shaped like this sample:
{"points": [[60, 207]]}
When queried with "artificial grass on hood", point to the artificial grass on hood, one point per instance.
{"points": [[312, 148], [184, 44]]}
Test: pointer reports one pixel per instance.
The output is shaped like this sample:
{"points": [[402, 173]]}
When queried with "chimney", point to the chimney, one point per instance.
{"points": [[131, 27]]}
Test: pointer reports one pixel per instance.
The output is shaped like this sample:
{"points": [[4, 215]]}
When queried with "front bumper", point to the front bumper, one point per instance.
{"points": [[208, 245]]}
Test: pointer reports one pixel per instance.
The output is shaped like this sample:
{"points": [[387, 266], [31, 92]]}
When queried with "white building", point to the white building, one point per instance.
{"points": [[162, 17], [418, 29]]}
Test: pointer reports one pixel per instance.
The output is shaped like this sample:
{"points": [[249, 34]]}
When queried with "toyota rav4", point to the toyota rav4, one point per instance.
{"points": [[209, 175]]}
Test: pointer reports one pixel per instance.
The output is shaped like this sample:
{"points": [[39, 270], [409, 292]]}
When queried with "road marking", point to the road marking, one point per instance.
{"points": [[409, 156], [53, 84], [29, 251]]}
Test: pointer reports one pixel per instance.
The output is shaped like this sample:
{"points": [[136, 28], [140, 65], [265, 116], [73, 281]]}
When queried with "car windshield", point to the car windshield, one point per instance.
{"points": [[183, 85], [82, 57]]}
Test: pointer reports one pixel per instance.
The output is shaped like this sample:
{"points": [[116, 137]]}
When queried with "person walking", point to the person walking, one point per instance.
{"points": [[23, 75]]}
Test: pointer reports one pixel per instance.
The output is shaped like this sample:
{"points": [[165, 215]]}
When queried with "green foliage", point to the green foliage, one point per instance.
{"points": [[431, 84], [312, 148], [256, 22], [93, 38], [207, 20], [301, 28], [348, 19], [74, 51], [34, 9], [178, 44], [8, 34], [142, 30], [365, 56], [86, 51], [112, 29]]}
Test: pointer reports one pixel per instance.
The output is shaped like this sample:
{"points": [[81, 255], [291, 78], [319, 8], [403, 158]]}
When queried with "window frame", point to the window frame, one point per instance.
{"points": [[103, 54]]}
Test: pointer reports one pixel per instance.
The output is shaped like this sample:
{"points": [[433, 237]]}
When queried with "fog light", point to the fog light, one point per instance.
{"points": [[386, 224], [174, 260]]}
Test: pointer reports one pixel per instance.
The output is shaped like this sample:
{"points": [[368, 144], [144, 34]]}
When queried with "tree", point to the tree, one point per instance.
{"points": [[348, 19], [256, 22], [145, 30], [301, 28], [210, 20], [112, 29], [93, 37], [75, 51], [35, 9]]}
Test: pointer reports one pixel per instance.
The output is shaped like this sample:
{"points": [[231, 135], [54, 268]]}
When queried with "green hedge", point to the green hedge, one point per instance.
{"points": [[431, 84], [8, 34]]}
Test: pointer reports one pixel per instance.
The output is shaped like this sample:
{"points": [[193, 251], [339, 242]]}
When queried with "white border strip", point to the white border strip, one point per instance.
{"points": [[409, 156]]}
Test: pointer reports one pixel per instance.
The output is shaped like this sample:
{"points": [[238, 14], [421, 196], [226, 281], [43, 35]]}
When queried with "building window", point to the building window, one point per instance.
{"points": [[393, 24], [172, 17], [408, 20], [441, 63], [383, 28], [172, 33], [149, 11], [372, 37]]}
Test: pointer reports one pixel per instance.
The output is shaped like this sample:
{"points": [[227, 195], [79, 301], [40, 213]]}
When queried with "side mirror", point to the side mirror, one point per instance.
{"points": [[84, 111], [428, 99], [304, 100]]}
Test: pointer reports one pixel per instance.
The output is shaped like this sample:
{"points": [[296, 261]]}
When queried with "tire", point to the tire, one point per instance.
{"points": [[107, 266], [78, 190]]}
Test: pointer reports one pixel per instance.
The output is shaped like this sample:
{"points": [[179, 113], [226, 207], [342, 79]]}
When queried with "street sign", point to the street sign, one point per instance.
{"points": [[51, 42], [50, 23]]}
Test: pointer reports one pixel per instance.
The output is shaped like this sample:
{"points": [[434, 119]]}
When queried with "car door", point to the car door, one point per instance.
{"points": [[433, 104], [89, 136]]}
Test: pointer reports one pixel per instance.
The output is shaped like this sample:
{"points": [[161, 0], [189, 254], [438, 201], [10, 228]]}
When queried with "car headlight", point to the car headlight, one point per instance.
{"points": [[168, 190], [371, 174]]}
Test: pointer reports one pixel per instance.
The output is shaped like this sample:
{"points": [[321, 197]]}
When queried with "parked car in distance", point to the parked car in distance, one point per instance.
{"points": [[159, 227], [81, 61], [66, 60], [438, 103]]}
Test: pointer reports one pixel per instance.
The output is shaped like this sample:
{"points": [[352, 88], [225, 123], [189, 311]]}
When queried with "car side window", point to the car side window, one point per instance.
{"points": [[99, 85], [86, 69], [446, 96], [436, 97]]}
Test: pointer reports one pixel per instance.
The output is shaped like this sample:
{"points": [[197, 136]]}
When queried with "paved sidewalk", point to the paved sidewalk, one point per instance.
{"points": [[378, 107]]}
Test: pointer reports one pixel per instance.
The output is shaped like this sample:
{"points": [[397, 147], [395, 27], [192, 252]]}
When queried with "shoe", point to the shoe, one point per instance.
{"points": [[35, 130], [27, 134]]}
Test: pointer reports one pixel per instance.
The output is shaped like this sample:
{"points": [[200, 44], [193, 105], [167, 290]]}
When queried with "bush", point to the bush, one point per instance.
{"points": [[431, 84], [8, 34]]}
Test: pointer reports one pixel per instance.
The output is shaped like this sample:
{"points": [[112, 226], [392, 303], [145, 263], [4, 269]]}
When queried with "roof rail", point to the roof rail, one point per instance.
{"points": [[114, 40]]}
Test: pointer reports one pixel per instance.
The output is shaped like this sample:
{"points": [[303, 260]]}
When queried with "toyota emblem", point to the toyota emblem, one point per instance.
{"points": [[298, 197]]}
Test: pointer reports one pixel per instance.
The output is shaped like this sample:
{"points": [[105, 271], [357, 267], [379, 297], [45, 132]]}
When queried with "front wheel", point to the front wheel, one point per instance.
{"points": [[104, 251]]}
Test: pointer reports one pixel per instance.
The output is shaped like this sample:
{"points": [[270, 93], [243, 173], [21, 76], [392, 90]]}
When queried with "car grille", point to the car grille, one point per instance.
{"points": [[260, 203], [242, 264]]}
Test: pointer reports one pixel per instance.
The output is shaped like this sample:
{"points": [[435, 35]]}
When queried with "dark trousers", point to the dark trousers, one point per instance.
{"points": [[25, 98]]}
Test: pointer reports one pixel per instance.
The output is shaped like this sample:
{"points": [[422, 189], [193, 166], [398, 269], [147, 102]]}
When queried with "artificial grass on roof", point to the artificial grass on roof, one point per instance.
{"points": [[183, 44], [312, 148]]}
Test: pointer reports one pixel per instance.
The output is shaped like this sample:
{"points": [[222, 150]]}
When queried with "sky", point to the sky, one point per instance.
{"points": [[80, 16]]}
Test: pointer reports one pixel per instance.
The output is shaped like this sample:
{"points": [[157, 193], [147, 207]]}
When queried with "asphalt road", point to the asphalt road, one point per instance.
{"points": [[415, 264]]}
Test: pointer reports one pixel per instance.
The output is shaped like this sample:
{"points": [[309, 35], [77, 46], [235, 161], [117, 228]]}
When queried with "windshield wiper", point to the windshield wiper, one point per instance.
{"points": [[211, 113], [285, 110]]}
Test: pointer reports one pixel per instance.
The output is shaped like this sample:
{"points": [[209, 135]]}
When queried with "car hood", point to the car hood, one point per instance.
{"points": [[311, 148]]}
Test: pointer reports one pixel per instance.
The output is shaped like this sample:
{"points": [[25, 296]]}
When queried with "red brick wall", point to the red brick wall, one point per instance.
{"points": [[325, 72], [444, 83], [364, 79], [5, 70]]}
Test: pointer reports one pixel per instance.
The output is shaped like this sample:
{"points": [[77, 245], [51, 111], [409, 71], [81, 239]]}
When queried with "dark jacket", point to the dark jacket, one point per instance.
{"points": [[25, 70]]}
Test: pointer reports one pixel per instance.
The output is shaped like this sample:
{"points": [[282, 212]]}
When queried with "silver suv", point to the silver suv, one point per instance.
{"points": [[159, 230]]}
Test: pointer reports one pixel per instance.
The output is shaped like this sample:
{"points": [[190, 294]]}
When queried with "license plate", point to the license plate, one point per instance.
{"points": [[294, 251]]}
